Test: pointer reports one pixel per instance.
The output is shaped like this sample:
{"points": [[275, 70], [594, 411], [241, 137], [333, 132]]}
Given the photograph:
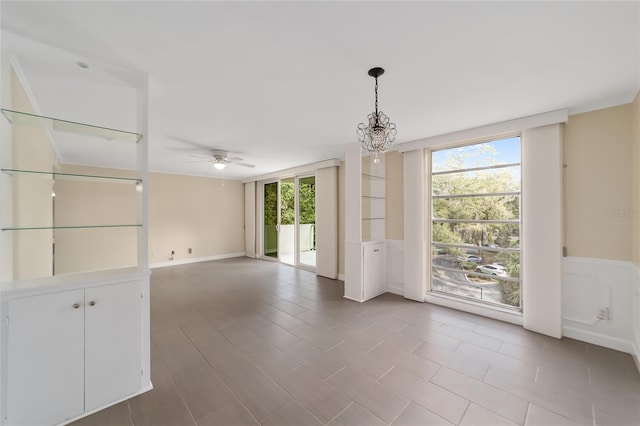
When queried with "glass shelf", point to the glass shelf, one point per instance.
{"points": [[112, 179], [373, 218], [49, 123], [373, 177], [34, 228], [373, 197]]}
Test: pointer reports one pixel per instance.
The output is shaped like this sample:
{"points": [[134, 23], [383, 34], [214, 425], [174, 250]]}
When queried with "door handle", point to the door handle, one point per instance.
{"points": [[92, 303]]}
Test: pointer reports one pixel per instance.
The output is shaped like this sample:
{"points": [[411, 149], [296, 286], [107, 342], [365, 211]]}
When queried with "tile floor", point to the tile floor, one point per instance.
{"points": [[250, 342]]}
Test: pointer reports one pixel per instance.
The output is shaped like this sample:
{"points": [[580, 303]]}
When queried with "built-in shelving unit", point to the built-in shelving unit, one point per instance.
{"points": [[365, 254], [74, 274]]}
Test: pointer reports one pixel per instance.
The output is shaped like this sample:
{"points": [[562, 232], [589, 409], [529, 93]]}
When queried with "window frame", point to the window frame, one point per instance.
{"points": [[431, 220]]}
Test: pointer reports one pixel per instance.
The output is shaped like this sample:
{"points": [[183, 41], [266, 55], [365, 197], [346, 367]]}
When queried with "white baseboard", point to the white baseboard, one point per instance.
{"points": [[599, 339], [636, 355], [118, 401], [195, 260], [395, 290]]}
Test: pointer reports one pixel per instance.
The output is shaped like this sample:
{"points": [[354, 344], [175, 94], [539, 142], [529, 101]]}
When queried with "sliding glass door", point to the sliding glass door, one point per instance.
{"points": [[289, 218], [307, 221], [270, 220], [287, 221]]}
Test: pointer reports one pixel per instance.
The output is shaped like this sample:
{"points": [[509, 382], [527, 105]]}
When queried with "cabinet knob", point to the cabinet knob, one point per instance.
{"points": [[92, 303], [76, 305]]}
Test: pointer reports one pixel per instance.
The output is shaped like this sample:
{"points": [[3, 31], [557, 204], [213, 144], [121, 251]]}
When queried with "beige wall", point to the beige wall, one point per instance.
{"points": [[93, 202], [598, 181], [204, 214], [184, 212], [32, 204], [635, 135]]}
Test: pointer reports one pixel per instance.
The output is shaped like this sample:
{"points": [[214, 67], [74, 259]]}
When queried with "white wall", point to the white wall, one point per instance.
{"points": [[636, 317]]}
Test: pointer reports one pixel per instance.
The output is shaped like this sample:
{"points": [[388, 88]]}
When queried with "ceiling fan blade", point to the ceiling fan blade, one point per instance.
{"points": [[237, 163], [196, 145], [235, 158], [200, 156]]}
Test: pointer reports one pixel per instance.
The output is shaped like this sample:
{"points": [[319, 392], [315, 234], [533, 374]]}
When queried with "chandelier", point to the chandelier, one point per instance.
{"points": [[379, 133]]}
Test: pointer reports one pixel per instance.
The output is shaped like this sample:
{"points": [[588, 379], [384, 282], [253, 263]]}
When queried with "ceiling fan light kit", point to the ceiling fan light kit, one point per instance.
{"points": [[220, 159], [378, 135]]}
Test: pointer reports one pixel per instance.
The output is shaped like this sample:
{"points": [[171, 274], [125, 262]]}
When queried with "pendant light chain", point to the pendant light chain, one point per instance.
{"points": [[376, 89]]}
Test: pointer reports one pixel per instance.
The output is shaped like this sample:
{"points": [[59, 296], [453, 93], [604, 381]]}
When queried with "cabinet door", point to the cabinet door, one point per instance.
{"points": [[113, 351], [374, 279], [45, 358]]}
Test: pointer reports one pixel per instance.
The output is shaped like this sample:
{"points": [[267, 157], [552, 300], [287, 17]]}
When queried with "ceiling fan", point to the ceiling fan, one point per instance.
{"points": [[220, 159]]}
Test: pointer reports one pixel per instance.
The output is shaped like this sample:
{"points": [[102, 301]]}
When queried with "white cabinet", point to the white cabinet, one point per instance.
{"points": [[113, 357], [373, 270], [72, 351], [45, 375]]}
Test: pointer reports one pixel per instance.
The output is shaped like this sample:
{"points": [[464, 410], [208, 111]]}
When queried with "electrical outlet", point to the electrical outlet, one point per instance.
{"points": [[603, 313]]}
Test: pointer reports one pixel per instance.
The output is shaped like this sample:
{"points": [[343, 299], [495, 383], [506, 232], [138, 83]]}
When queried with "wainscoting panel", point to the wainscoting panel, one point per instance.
{"points": [[598, 302]]}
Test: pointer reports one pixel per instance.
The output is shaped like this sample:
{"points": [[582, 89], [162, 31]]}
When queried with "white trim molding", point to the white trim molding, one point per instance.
{"points": [[636, 317], [598, 298], [295, 171], [196, 260], [476, 133]]}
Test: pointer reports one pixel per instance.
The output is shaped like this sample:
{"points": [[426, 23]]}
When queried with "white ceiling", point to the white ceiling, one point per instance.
{"points": [[283, 84]]}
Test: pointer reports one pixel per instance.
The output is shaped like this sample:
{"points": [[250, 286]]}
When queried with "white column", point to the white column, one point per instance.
{"points": [[415, 260], [541, 264], [353, 223], [250, 219], [327, 222]]}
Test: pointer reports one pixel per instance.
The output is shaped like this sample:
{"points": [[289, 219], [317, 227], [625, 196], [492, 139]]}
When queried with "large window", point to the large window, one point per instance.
{"points": [[475, 193]]}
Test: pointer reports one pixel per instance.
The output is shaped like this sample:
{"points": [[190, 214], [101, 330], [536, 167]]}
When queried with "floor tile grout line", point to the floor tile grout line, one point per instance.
{"points": [[402, 411], [334, 374], [130, 412], [381, 342], [466, 409], [483, 382], [332, 347], [222, 378], [338, 415], [175, 386]]}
